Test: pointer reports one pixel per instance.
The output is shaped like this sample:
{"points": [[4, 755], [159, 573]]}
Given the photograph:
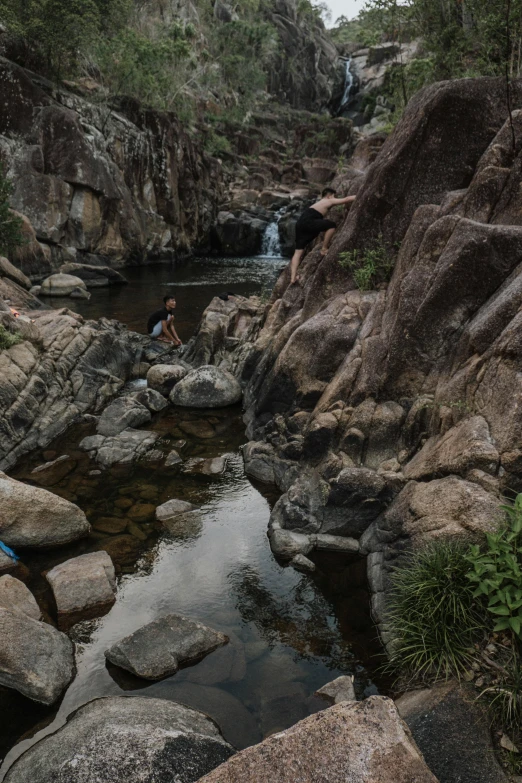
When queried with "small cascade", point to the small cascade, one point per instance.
{"points": [[348, 84], [271, 246]]}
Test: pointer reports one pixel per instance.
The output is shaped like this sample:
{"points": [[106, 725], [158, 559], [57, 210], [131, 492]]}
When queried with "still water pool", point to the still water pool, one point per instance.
{"points": [[289, 632]]}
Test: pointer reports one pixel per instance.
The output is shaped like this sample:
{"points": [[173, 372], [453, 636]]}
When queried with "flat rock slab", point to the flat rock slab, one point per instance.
{"points": [[206, 467], [340, 689], [16, 597], [52, 472], [120, 414], [126, 740], [353, 742], [161, 647], [34, 517], [83, 587], [453, 733], [206, 387], [125, 447], [35, 658]]}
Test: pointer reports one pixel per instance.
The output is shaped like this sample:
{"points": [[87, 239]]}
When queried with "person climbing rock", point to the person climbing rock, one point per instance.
{"points": [[313, 222], [161, 323]]}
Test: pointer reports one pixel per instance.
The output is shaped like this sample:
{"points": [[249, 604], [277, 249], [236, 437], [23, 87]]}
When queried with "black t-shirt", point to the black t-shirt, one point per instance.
{"points": [[159, 315]]}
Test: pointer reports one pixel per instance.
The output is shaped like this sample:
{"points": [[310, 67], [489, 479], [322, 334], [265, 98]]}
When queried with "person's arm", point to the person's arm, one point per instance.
{"points": [[173, 330], [346, 200]]}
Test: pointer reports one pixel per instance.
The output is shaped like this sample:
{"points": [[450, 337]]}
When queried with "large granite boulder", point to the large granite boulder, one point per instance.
{"points": [[127, 446], [35, 658], [240, 235], [94, 276], [61, 285], [206, 387], [163, 377], [117, 740], [161, 647], [34, 517], [9, 270], [364, 742], [83, 587]]}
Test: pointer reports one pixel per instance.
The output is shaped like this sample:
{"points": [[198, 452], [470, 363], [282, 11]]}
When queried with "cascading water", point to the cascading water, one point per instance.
{"points": [[271, 246], [348, 84]]}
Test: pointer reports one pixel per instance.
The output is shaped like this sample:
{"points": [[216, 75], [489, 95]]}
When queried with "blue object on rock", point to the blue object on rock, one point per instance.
{"points": [[9, 552]]}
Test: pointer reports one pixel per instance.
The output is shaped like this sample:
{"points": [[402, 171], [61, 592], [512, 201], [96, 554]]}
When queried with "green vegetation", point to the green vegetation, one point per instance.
{"points": [[434, 618], [217, 145], [370, 266], [7, 339], [10, 225]]}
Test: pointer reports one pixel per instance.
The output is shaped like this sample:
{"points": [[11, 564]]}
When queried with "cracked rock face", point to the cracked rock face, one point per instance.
{"points": [[120, 739]]}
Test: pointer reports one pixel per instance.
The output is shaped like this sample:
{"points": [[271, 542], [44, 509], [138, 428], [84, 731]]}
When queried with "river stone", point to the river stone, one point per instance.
{"points": [[330, 543], [34, 517], [151, 399], [61, 285], [35, 658], [173, 458], [340, 689], [83, 587], [206, 467], [159, 648], [360, 742], [287, 545], [206, 387], [172, 508], [16, 597], [123, 448], [120, 414], [162, 377], [52, 472], [119, 740], [302, 563]]}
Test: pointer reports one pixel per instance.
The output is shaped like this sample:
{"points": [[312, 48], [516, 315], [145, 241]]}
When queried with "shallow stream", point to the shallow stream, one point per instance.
{"points": [[290, 633]]}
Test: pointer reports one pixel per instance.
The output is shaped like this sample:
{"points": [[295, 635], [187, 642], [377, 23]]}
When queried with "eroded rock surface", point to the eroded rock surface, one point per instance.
{"points": [[83, 587], [114, 739], [16, 597], [206, 387]]}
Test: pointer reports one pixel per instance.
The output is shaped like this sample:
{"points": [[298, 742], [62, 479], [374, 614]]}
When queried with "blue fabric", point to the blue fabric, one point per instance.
{"points": [[9, 552]]}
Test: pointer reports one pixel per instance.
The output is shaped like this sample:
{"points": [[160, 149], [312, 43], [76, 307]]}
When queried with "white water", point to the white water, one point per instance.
{"points": [[271, 247], [348, 84]]}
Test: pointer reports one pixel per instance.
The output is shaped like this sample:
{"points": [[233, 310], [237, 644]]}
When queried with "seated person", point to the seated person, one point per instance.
{"points": [[161, 323]]}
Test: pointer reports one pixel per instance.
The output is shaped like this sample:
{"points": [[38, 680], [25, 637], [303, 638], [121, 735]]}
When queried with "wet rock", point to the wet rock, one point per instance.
{"points": [[282, 705], [126, 447], [215, 466], [35, 658], [151, 399], [163, 377], [302, 563], [61, 285], [51, 473], [94, 276], [112, 738], [158, 649], [364, 742], [16, 597], [141, 512], [340, 689], [9, 270], [206, 387], [110, 524], [123, 550], [173, 458], [173, 508], [328, 543], [258, 459], [34, 517], [198, 429], [122, 413], [83, 587], [287, 545]]}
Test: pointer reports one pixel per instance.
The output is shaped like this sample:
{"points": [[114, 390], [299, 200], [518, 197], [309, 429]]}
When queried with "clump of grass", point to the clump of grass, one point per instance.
{"points": [[433, 616], [370, 266], [7, 339]]}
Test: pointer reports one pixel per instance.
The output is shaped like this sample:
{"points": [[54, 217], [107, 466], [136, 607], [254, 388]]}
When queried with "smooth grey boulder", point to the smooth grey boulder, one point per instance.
{"points": [[151, 399], [123, 448], [35, 658], [94, 276], [160, 647], [302, 563], [162, 377], [61, 285], [16, 597], [83, 587], [126, 740], [206, 387], [34, 517], [173, 508], [122, 413]]}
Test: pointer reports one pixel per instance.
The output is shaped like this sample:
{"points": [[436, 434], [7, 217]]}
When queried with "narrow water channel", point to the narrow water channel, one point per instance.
{"points": [[290, 633]]}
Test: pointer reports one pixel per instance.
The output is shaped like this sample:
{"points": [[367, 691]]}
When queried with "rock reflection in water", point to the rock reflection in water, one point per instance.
{"points": [[214, 565]]}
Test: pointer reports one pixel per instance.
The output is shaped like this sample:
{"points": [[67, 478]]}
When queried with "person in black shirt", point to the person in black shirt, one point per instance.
{"points": [[161, 323]]}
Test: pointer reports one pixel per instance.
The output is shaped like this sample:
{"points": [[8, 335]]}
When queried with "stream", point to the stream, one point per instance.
{"points": [[290, 633]]}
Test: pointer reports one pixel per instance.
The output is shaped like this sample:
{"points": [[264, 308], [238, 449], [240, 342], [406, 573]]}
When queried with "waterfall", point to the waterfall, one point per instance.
{"points": [[271, 246], [348, 84]]}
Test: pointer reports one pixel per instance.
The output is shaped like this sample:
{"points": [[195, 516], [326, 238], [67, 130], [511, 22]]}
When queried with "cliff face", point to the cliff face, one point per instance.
{"points": [[94, 183], [390, 417]]}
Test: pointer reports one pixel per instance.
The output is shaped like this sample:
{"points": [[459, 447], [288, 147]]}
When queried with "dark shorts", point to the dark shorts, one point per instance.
{"points": [[309, 226]]}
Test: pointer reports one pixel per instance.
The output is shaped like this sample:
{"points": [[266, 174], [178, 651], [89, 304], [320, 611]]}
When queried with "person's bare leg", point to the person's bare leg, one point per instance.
{"points": [[326, 241], [294, 263]]}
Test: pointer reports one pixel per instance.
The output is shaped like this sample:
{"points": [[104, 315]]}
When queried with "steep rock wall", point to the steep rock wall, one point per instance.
{"points": [[98, 183]]}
